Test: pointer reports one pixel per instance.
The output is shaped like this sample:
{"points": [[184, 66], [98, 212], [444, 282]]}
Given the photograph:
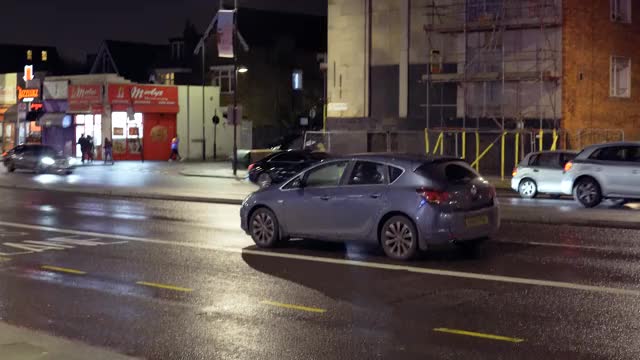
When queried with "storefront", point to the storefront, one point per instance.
{"points": [[143, 120], [8, 109], [86, 106]]}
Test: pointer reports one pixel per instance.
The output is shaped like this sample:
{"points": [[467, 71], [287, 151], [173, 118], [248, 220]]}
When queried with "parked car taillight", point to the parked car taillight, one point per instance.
{"points": [[568, 166], [514, 172], [433, 196], [251, 167]]}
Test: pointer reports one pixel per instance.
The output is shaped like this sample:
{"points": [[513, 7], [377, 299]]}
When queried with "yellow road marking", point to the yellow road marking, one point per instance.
{"points": [[62, 270], [478, 335], [294, 307], [162, 286]]}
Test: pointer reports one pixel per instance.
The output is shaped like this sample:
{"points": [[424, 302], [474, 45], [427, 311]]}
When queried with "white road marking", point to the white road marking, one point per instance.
{"points": [[357, 263], [568, 246]]}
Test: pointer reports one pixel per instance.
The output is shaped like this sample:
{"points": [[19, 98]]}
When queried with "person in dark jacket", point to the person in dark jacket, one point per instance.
{"points": [[108, 151], [83, 147]]}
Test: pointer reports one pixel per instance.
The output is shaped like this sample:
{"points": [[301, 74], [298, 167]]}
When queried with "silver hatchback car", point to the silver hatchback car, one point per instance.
{"points": [[605, 171], [403, 203], [541, 173]]}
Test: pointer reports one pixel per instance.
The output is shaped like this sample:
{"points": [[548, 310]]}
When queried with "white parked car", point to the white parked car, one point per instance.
{"points": [[605, 171], [541, 173]]}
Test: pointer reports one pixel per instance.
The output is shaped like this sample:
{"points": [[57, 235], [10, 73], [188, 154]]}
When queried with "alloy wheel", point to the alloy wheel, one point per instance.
{"points": [[399, 239], [528, 189], [588, 193], [263, 229]]}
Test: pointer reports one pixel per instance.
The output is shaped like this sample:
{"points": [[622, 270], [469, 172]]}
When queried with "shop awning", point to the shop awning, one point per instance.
{"points": [[55, 119]]}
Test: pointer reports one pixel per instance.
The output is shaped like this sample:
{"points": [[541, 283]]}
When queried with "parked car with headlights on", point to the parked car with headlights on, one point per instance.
{"points": [[405, 204], [37, 158], [605, 171], [541, 173]]}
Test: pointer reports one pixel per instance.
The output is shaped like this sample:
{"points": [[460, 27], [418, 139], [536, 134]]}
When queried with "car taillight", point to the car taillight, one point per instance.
{"points": [[514, 172], [568, 166], [433, 196], [5, 154], [251, 167]]}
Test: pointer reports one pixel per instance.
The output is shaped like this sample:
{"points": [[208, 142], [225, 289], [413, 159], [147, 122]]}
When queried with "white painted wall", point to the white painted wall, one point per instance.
{"points": [[189, 124]]}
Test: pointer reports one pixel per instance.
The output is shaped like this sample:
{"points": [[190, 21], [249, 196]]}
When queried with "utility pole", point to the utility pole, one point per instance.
{"points": [[235, 89], [204, 76]]}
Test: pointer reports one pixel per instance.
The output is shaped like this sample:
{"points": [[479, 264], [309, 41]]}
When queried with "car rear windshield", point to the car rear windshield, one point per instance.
{"points": [[451, 172]]}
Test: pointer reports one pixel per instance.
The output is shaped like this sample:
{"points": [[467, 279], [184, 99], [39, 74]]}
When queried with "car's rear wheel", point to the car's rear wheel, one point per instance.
{"points": [[11, 167], [264, 228], [399, 238], [528, 189], [264, 180], [588, 193]]}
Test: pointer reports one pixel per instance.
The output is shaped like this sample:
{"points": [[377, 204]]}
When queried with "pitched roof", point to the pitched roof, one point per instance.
{"points": [[136, 61]]}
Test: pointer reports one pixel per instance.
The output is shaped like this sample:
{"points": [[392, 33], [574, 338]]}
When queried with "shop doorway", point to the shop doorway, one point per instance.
{"points": [[127, 135], [89, 125]]}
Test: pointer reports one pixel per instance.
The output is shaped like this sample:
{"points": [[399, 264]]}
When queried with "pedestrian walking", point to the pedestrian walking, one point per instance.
{"points": [[83, 146], [175, 145], [108, 151], [90, 148]]}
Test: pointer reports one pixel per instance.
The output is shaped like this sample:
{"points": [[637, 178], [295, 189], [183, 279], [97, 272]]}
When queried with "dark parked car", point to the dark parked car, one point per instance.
{"points": [[281, 166], [37, 158], [403, 203]]}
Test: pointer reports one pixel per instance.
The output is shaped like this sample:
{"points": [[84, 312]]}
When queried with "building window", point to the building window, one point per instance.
{"points": [[44, 55], [170, 78], [621, 11], [29, 55], [177, 48], [620, 76], [223, 77]]}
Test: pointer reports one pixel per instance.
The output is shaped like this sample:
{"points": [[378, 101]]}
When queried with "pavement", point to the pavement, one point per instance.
{"points": [[23, 344], [179, 280]]}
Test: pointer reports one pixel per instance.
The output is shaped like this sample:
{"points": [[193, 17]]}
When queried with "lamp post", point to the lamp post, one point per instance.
{"points": [[235, 89]]}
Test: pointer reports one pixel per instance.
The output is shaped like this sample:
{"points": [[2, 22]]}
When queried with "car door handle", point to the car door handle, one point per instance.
{"points": [[374, 196], [635, 172], [325, 197], [536, 170]]}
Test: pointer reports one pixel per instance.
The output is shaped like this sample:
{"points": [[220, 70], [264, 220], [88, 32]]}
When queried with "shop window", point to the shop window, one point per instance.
{"points": [[223, 77], [620, 77], [89, 125], [621, 11], [29, 55], [126, 133], [44, 55]]}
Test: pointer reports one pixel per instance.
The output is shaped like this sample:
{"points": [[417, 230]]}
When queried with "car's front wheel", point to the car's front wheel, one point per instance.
{"points": [[528, 189], [264, 228], [588, 193], [11, 167], [399, 238]]}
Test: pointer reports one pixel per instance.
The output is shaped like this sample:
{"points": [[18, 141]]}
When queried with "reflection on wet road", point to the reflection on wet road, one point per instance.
{"points": [[175, 280]]}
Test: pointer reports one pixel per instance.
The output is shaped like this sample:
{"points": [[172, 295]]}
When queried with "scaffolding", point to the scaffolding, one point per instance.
{"points": [[502, 56]]}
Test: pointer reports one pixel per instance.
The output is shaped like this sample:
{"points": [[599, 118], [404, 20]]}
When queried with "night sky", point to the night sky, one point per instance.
{"points": [[77, 27]]}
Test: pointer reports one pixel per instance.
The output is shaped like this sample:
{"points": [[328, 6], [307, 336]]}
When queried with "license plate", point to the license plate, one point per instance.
{"points": [[477, 221]]}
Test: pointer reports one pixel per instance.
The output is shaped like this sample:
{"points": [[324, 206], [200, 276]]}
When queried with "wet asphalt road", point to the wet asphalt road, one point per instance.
{"points": [[172, 280]]}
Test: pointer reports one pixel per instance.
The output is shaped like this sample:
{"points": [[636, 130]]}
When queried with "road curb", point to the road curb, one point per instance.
{"points": [[187, 174], [129, 195]]}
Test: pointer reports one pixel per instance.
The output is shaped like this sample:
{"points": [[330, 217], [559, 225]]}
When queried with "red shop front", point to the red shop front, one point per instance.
{"points": [[143, 120]]}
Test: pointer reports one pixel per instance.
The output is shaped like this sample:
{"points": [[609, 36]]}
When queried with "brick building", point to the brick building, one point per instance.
{"points": [[485, 64]]}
